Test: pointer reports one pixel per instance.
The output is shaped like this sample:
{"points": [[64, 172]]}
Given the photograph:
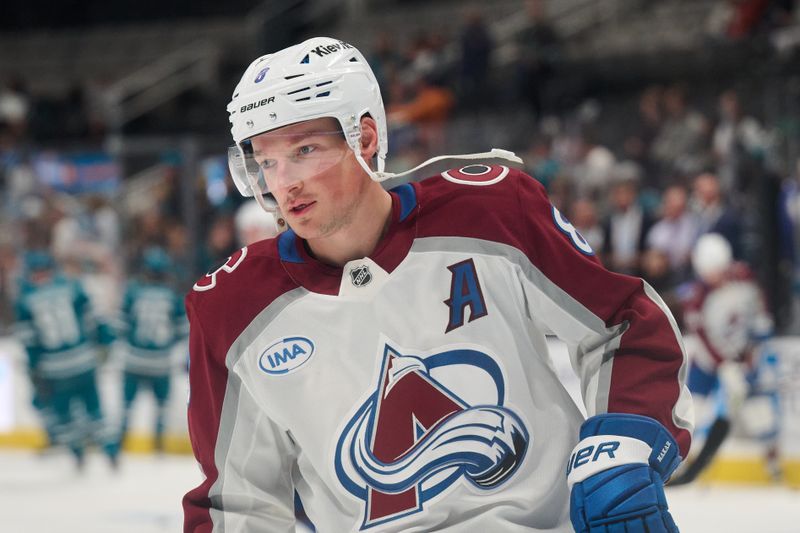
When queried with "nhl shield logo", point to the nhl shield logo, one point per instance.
{"points": [[360, 276]]}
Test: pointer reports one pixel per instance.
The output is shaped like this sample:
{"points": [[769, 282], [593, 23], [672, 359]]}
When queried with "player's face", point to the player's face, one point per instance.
{"points": [[316, 203]]}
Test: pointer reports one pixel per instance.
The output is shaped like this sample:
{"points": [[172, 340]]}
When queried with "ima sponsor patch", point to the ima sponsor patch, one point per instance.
{"points": [[285, 355]]}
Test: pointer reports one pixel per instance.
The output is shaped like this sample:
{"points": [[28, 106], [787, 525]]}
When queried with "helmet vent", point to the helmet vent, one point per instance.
{"points": [[304, 99], [304, 60], [293, 76], [354, 60], [325, 83], [322, 95], [298, 90]]}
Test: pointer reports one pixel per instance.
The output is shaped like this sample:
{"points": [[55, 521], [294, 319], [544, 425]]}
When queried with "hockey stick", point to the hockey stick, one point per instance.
{"points": [[716, 435]]}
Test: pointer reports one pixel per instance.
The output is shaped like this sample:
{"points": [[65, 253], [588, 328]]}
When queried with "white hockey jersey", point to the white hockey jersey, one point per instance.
{"points": [[412, 390], [729, 319]]}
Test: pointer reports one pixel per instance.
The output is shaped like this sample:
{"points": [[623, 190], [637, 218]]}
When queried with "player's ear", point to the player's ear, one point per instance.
{"points": [[369, 138]]}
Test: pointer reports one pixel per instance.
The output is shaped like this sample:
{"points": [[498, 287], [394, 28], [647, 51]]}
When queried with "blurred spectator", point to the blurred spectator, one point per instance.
{"points": [[427, 58], [386, 63], [253, 224], [638, 143], [561, 193], [14, 107], [539, 52], [147, 230], [16, 177], [220, 243], [626, 226], [719, 19], [734, 20], [8, 270], [583, 215], [86, 234], [476, 51], [674, 234], [74, 114], [656, 270], [714, 214], [541, 163], [680, 146], [183, 261], [790, 233], [735, 137], [747, 16], [593, 171], [427, 111]]}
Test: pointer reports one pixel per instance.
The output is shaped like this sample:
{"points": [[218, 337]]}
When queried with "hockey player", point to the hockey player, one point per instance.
{"points": [[385, 357], [58, 330], [732, 375], [152, 322]]}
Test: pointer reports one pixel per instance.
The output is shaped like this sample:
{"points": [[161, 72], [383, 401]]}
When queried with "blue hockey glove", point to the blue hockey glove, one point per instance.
{"points": [[616, 474]]}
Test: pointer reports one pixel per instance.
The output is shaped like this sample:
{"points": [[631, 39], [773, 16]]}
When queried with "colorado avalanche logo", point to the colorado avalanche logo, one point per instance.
{"points": [[413, 438]]}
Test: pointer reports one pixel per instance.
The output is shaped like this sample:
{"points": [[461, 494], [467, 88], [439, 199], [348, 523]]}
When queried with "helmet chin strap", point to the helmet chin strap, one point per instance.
{"points": [[269, 206], [380, 175]]}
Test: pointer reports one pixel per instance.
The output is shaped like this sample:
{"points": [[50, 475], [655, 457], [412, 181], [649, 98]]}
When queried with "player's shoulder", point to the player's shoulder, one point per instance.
{"points": [[251, 270], [477, 177], [478, 184], [488, 202]]}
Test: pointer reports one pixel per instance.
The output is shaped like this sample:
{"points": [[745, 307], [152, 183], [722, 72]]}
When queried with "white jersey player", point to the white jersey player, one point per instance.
{"points": [[733, 369], [386, 358]]}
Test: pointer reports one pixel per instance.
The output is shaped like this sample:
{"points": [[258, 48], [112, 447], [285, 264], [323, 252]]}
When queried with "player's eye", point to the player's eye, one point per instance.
{"points": [[267, 164], [306, 149]]}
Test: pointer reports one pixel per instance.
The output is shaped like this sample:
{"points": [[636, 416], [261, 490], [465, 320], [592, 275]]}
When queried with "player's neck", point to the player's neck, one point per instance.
{"points": [[361, 236]]}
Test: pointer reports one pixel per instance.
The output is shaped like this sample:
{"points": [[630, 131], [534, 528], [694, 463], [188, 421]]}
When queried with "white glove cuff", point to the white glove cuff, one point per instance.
{"points": [[601, 452]]}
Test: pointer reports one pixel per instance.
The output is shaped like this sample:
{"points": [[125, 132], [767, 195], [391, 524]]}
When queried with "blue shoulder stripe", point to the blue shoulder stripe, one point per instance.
{"points": [[287, 247], [408, 199]]}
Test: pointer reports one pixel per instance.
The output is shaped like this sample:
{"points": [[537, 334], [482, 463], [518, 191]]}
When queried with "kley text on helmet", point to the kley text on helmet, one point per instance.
{"points": [[323, 50]]}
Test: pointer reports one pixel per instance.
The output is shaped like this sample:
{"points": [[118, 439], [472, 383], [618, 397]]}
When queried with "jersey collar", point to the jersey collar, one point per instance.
{"points": [[392, 249]]}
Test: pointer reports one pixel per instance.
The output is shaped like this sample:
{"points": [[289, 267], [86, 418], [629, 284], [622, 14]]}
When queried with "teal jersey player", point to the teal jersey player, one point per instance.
{"points": [[152, 322], [57, 327]]}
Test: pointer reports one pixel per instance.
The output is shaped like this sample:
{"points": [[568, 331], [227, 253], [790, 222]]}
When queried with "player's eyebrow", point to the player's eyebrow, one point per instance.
{"points": [[299, 136]]}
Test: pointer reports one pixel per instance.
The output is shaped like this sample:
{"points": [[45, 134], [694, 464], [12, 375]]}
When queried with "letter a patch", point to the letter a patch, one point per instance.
{"points": [[465, 291]]}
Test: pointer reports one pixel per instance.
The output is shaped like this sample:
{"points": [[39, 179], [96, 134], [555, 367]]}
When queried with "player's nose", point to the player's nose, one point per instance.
{"points": [[282, 176]]}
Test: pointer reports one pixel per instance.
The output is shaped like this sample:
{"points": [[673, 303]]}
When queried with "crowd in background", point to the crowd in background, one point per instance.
{"points": [[674, 168]]}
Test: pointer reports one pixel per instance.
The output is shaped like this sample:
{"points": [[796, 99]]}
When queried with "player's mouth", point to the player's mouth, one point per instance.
{"points": [[301, 208]]}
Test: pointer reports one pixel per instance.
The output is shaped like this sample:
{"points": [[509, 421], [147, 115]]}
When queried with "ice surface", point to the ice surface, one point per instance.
{"points": [[41, 494]]}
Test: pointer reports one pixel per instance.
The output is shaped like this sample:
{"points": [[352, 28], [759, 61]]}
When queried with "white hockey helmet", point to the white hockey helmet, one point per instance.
{"points": [[321, 77], [711, 256]]}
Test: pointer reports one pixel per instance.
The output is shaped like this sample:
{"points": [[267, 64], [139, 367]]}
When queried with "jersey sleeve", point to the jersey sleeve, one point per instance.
{"points": [[624, 343], [246, 458]]}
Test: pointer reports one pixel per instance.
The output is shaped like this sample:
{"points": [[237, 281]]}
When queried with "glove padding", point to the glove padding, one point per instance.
{"points": [[617, 474], [624, 499]]}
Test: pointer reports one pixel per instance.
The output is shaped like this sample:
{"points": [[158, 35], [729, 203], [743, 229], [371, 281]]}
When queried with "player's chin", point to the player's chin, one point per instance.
{"points": [[303, 227]]}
